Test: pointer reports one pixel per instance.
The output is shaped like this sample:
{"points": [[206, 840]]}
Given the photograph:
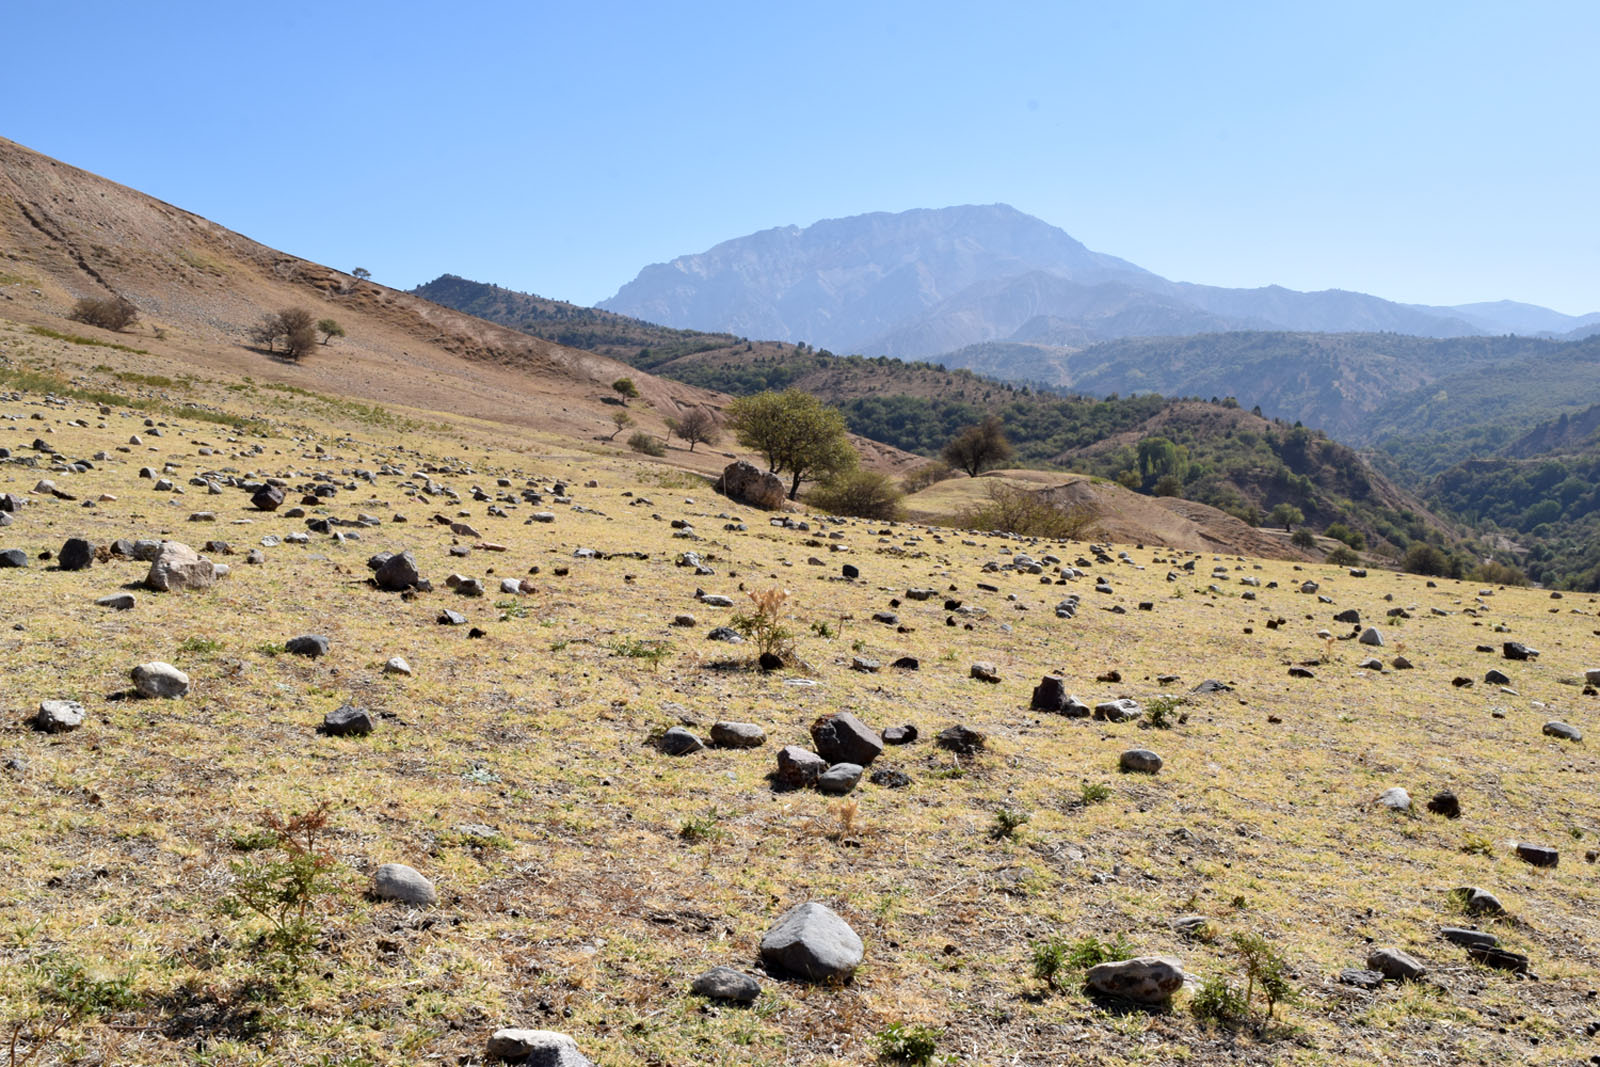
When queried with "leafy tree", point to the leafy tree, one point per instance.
{"points": [[626, 389], [329, 329], [1423, 558], [361, 274], [1288, 515], [622, 420], [115, 313], [796, 432], [299, 331], [646, 444], [696, 425], [267, 332], [1159, 458], [979, 446], [1303, 538]]}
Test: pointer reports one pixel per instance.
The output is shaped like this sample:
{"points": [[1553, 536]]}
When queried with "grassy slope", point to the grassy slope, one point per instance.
{"points": [[590, 913]]}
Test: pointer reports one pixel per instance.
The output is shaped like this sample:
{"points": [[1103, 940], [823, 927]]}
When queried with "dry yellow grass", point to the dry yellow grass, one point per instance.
{"points": [[589, 911]]}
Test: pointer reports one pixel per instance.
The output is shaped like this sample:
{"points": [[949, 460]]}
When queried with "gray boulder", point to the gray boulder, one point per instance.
{"points": [[725, 983], [680, 742], [748, 484], [179, 568], [1395, 965], [397, 573], [1555, 728], [839, 779], [347, 720], [1050, 694], [1146, 980], [799, 767], [812, 942], [158, 679], [309, 645], [1395, 799], [737, 735], [1140, 761], [267, 498], [1123, 710], [843, 738], [1466, 938], [1371, 636], [58, 716], [396, 881], [535, 1048], [76, 555], [1538, 855]]}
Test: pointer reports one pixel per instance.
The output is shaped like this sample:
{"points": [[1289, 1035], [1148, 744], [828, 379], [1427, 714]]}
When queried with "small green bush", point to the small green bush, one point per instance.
{"points": [[648, 445], [861, 494], [1094, 792], [1217, 1001], [1007, 821], [908, 1044]]}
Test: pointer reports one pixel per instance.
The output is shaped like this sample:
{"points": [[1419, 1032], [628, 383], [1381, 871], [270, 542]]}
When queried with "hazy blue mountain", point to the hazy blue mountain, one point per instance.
{"points": [[919, 284], [842, 282]]}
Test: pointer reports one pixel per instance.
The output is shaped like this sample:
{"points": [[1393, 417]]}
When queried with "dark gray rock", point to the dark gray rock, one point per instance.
{"points": [[1050, 694], [680, 742], [397, 573], [1360, 978], [726, 633], [1140, 761], [1494, 677], [116, 601], [798, 766], [812, 942], [1499, 958], [1123, 710], [1371, 636], [843, 738], [309, 645], [899, 735], [1445, 803], [962, 740], [1538, 855], [451, 618], [267, 498], [840, 778], [76, 555], [13, 557], [1458, 935], [347, 720], [1554, 728], [1516, 650], [890, 779], [1395, 965], [737, 735], [725, 983]]}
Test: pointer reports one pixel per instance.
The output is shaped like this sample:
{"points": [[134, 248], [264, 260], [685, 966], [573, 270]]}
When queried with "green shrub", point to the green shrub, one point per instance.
{"points": [[1019, 511], [908, 1044], [861, 494], [285, 890], [1094, 792], [1342, 557], [1217, 1001], [1007, 821], [645, 443]]}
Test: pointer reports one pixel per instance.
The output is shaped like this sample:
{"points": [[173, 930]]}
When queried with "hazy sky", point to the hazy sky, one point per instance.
{"points": [[1428, 152]]}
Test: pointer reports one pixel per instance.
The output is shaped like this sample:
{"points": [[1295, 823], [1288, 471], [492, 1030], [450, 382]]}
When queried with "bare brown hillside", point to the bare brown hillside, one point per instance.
{"points": [[66, 233]]}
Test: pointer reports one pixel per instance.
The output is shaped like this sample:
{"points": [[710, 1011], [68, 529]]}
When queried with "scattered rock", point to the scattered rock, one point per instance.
{"points": [[1395, 799], [1146, 980], [985, 672], [962, 740], [396, 881], [1124, 710], [397, 573], [1371, 636], [1494, 677], [1140, 761], [535, 1048], [347, 720], [1445, 803], [1458, 935], [177, 567], [812, 942], [1516, 650], [1556, 728], [58, 716], [680, 742], [161, 680], [1499, 958], [745, 483], [725, 983], [116, 601], [840, 778], [267, 498], [737, 735], [1395, 965], [76, 555], [311, 646], [397, 665], [843, 738], [890, 779], [1050, 694], [1538, 855], [1360, 978], [899, 735], [1477, 901]]}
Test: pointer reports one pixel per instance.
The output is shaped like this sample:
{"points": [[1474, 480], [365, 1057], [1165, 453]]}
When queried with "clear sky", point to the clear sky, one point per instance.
{"points": [[1427, 152]]}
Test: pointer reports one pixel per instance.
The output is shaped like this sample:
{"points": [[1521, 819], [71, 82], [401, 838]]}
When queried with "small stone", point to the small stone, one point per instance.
{"points": [[1123, 710], [267, 498], [1445, 803], [962, 740], [726, 633], [1477, 901], [347, 720], [396, 881], [311, 646], [397, 665], [899, 735], [1499, 958], [177, 567], [1538, 855], [58, 716], [535, 1048], [116, 601], [798, 766], [890, 779], [1457, 935], [680, 742], [737, 735], [864, 665], [1360, 978], [1395, 965], [397, 573], [160, 680], [1140, 761], [1050, 694], [451, 618], [1395, 799], [812, 942], [1555, 728], [1516, 650], [725, 983], [1371, 636], [840, 778], [1494, 677]]}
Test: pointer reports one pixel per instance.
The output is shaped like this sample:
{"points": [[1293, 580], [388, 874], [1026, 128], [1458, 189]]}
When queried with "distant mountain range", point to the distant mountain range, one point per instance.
{"points": [[919, 284]]}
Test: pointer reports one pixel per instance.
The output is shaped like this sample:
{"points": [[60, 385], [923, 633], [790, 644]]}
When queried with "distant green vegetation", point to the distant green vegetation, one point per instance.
{"points": [[76, 339]]}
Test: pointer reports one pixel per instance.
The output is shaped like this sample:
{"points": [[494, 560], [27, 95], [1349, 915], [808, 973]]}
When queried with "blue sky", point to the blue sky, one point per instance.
{"points": [[1426, 152]]}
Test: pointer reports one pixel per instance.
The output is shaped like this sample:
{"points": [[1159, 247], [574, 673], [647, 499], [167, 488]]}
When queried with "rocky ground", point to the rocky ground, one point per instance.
{"points": [[558, 794]]}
